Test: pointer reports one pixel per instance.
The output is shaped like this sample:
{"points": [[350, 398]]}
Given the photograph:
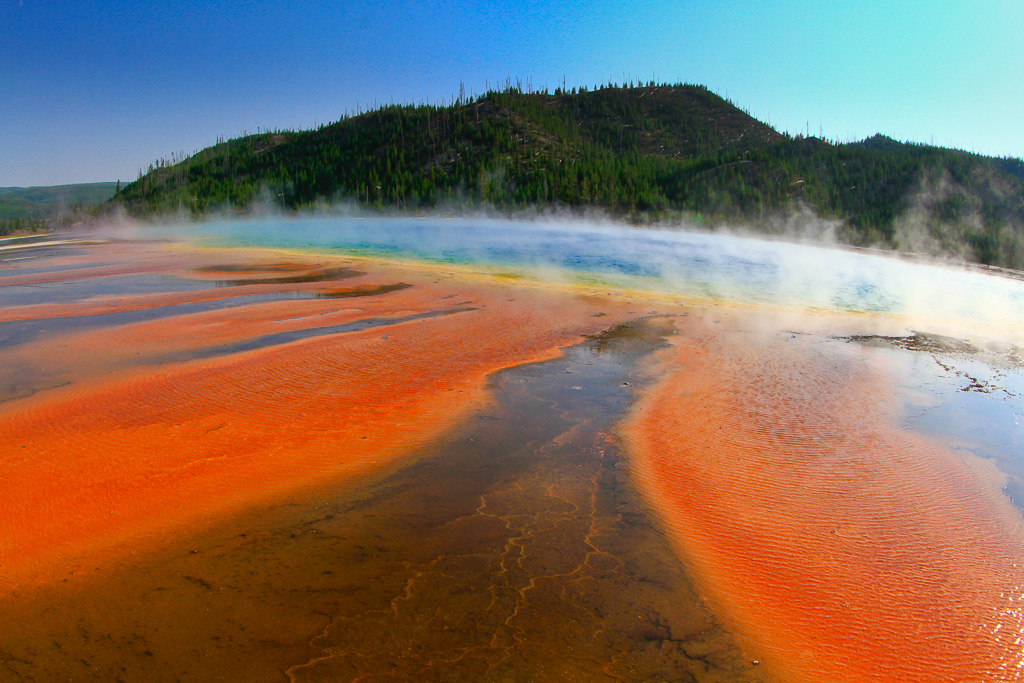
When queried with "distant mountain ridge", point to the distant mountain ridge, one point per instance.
{"points": [[641, 152], [45, 201]]}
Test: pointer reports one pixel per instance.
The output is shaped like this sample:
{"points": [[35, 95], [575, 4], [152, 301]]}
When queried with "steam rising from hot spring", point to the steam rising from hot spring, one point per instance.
{"points": [[716, 267]]}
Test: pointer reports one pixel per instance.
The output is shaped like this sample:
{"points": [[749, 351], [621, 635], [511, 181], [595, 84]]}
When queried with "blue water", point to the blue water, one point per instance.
{"points": [[716, 266]]}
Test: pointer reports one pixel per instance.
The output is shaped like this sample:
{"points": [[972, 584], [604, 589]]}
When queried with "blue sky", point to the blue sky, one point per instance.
{"points": [[94, 91]]}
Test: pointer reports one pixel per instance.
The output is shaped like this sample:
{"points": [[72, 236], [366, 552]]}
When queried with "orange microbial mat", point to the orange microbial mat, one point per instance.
{"points": [[132, 444], [229, 463], [841, 545]]}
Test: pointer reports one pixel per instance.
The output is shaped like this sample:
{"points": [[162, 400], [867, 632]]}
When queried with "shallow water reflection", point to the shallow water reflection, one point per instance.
{"points": [[971, 397]]}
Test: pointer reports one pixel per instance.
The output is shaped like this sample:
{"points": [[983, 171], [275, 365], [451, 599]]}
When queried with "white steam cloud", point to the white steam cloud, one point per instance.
{"points": [[681, 263]]}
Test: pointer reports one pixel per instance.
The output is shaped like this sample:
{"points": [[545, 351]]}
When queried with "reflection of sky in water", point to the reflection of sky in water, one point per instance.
{"points": [[16, 332], [969, 404], [980, 408], [708, 265], [974, 402], [107, 286]]}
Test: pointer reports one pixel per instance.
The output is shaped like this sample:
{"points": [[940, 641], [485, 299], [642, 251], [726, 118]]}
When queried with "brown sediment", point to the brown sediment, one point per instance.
{"points": [[317, 275], [516, 549], [94, 467], [842, 546], [360, 291], [253, 268]]}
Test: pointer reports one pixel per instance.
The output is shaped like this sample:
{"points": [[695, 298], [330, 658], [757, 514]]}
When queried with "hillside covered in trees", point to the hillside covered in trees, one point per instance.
{"points": [[39, 208], [644, 153]]}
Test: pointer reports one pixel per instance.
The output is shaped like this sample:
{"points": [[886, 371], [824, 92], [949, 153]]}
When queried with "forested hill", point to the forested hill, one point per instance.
{"points": [[37, 208], [640, 152]]}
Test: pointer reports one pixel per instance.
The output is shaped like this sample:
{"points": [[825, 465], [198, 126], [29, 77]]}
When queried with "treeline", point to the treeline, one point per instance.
{"points": [[11, 226], [641, 152], [35, 209]]}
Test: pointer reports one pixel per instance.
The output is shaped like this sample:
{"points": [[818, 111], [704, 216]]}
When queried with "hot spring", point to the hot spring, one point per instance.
{"points": [[468, 449], [711, 267]]}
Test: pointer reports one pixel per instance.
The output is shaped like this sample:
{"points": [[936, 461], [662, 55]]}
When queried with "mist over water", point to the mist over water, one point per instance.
{"points": [[719, 267]]}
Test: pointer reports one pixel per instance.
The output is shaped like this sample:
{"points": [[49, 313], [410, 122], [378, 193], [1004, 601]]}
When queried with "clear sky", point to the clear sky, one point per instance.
{"points": [[93, 91]]}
